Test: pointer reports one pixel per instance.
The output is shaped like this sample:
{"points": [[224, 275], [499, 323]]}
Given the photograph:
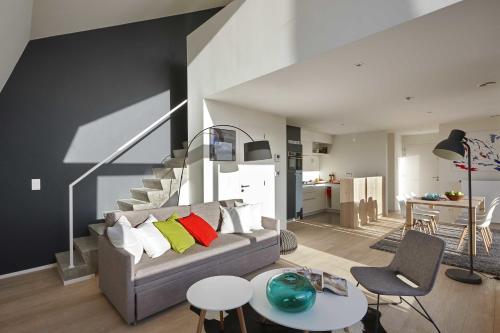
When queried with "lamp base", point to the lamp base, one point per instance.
{"points": [[463, 276]]}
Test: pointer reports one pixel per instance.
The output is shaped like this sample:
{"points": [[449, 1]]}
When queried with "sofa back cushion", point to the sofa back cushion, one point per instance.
{"points": [[230, 203], [139, 216], [208, 211]]}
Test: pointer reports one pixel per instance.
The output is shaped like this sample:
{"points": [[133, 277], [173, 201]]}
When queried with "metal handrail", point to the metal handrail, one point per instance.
{"points": [[124, 148]]}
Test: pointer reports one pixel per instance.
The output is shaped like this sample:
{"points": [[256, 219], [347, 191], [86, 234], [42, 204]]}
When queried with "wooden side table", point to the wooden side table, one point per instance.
{"points": [[220, 293]]}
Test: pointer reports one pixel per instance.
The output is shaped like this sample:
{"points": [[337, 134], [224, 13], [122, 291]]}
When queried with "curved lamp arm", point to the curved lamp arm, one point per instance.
{"points": [[189, 145]]}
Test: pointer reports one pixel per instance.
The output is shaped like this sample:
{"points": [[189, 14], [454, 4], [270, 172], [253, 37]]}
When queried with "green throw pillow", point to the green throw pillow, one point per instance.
{"points": [[179, 238]]}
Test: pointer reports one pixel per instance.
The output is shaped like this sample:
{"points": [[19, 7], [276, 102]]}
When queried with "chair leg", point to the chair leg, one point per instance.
{"points": [[462, 237], [429, 318], [485, 240], [377, 315]]}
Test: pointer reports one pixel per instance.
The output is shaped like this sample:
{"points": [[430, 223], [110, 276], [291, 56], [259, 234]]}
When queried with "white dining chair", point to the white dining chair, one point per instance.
{"points": [[433, 214], [483, 226], [479, 215], [421, 221]]}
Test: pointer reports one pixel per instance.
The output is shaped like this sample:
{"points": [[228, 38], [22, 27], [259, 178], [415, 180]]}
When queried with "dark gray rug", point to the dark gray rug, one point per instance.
{"points": [[460, 258]]}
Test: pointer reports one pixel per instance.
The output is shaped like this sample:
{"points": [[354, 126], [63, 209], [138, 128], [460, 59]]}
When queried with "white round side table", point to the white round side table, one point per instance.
{"points": [[220, 293], [330, 312]]}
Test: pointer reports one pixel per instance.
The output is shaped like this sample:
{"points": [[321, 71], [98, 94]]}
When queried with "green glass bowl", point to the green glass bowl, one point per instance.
{"points": [[290, 292]]}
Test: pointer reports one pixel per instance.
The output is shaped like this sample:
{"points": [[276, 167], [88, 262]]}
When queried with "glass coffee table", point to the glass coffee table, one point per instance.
{"points": [[329, 312]]}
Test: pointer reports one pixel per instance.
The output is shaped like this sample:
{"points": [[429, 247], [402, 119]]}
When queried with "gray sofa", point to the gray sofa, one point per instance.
{"points": [[139, 291]]}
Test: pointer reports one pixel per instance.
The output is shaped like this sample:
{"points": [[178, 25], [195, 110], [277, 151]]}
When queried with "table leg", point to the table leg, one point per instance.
{"points": [[473, 231], [201, 320], [241, 318], [222, 320], [409, 216]]}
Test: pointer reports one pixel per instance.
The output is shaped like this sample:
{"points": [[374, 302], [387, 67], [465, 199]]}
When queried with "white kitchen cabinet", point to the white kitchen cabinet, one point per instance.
{"points": [[336, 196], [310, 163], [307, 148], [313, 199]]}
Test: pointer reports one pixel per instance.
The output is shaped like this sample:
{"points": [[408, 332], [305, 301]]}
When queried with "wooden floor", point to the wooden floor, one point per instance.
{"points": [[38, 302]]}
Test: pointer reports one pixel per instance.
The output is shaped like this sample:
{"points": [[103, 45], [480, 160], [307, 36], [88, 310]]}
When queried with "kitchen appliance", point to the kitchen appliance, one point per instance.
{"points": [[294, 173]]}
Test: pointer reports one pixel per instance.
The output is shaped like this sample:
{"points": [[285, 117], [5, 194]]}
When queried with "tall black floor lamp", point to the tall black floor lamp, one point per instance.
{"points": [[253, 151], [453, 148]]}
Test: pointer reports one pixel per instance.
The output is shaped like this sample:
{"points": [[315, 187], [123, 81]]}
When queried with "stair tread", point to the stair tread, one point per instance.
{"points": [[86, 244], [133, 201], [146, 189], [98, 228]]}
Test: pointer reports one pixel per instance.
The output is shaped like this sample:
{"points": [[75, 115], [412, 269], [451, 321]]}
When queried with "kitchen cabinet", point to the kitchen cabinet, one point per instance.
{"points": [[336, 197], [310, 163], [314, 199]]}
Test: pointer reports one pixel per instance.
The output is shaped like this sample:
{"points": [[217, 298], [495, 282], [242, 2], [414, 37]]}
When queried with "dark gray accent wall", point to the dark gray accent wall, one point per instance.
{"points": [[60, 86]]}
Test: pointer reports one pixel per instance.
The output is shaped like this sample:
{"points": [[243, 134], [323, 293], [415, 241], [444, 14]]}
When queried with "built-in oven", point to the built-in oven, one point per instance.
{"points": [[294, 161], [294, 179]]}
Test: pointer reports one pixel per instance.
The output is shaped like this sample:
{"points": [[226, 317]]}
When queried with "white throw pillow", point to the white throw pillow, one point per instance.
{"points": [[153, 241], [256, 213], [236, 220], [123, 236]]}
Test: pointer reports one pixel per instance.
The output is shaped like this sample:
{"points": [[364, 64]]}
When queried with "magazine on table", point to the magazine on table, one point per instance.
{"points": [[322, 281]]}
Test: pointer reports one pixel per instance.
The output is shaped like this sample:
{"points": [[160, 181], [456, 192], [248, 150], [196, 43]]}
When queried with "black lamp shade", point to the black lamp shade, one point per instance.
{"points": [[451, 148], [257, 150]]}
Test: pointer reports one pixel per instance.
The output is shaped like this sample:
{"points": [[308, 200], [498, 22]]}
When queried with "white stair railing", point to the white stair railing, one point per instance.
{"points": [[129, 144]]}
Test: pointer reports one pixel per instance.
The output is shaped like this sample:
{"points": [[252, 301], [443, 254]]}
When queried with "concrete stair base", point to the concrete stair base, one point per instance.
{"points": [[85, 257]]}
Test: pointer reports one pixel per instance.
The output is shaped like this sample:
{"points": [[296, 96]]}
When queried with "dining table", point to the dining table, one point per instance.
{"points": [[477, 205]]}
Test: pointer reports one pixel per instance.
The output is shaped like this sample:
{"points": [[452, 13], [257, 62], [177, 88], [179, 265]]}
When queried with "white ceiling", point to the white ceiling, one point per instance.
{"points": [[439, 59], [57, 17]]}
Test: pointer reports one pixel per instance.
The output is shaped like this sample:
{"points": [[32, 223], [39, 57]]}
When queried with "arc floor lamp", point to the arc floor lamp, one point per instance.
{"points": [[453, 148], [253, 151]]}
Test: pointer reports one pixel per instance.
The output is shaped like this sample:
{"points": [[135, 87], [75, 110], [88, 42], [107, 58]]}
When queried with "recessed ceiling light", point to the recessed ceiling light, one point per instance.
{"points": [[342, 124], [359, 64], [409, 98], [486, 84], [495, 116], [429, 112]]}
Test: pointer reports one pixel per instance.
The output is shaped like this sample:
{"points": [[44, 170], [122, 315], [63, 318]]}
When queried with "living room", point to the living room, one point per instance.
{"points": [[150, 142]]}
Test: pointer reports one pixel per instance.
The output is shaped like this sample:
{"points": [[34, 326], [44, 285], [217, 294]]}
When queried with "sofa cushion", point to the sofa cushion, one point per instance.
{"points": [[202, 232], [139, 216], [177, 235], [229, 203], [149, 269], [208, 211]]}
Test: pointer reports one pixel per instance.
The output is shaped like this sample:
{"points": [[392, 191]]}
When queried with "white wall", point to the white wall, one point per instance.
{"points": [[260, 126], [15, 31], [362, 154]]}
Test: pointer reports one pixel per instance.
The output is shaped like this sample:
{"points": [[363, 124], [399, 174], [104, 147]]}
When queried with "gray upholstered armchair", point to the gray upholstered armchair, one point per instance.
{"points": [[417, 259]]}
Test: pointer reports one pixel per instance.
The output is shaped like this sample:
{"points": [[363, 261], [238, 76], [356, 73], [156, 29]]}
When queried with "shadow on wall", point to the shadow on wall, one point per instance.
{"points": [[59, 115]]}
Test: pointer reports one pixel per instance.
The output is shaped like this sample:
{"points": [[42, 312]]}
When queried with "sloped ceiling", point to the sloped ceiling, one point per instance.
{"points": [[57, 17]]}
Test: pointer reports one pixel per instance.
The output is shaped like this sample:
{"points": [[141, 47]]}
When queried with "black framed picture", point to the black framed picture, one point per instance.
{"points": [[222, 145]]}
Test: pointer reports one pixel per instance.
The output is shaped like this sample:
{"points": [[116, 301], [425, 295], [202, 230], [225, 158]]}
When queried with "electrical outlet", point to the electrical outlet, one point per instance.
{"points": [[36, 185]]}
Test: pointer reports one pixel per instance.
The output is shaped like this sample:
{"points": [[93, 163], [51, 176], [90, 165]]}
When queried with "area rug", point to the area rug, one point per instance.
{"points": [[483, 262], [255, 324]]}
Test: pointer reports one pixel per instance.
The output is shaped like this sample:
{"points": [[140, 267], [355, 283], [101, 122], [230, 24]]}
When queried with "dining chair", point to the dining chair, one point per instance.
{"points": [[417, 259], [480, 215], [421, 221], [426, 210], [483, 226]]}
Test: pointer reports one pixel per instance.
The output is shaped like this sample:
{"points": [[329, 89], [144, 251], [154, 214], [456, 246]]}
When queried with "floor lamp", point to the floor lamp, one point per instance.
{"points": [[253, 151], [453, 148]]}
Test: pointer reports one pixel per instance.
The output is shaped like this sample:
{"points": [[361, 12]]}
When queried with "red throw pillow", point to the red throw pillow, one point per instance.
{"points": [[199, 229]]}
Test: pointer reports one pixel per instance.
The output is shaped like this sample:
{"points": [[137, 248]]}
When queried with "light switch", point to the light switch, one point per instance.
{"points": [[36, 185]]}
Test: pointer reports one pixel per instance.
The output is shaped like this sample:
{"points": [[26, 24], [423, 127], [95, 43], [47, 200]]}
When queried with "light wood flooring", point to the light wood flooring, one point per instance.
{"points": [[38, 302]]}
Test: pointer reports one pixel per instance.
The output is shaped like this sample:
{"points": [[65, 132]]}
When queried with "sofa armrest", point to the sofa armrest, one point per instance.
{"points": [[271, 224], [116, 278]]}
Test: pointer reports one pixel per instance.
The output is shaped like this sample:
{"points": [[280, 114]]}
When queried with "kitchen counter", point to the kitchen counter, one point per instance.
{"points": [[320, 184]]}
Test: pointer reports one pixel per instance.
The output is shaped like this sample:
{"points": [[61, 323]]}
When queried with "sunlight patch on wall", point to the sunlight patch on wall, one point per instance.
{"points": [[97, 139]]}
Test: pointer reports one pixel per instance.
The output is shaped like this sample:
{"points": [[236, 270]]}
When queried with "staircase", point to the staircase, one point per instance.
{"points": [[85, 257], [159, 189]]}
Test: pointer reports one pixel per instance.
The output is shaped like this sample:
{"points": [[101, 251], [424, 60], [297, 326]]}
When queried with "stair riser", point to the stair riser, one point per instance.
{"points": [[91, 259], [127, 207], [161, 184], [155, 197]]}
